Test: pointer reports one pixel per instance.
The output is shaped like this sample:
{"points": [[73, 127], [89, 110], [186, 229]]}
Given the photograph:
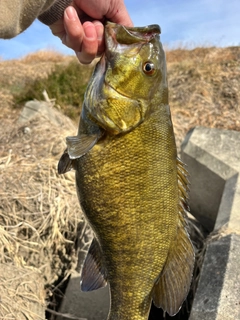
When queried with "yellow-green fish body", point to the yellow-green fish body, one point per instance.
{"points": [[131, 186]]}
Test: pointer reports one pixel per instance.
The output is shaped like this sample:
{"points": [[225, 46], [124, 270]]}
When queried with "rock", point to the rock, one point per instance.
{"points": [[44, 109], [92, 305], [213, 160]]}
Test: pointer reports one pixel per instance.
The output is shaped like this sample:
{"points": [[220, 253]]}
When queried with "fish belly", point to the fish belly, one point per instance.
{"points": [[127, 186]]}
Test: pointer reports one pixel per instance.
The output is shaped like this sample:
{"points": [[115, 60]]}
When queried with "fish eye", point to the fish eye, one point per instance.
{"points": [[148, 68]]}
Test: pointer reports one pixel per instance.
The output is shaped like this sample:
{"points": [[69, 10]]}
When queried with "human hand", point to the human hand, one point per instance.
{"points": [[82, 27]]}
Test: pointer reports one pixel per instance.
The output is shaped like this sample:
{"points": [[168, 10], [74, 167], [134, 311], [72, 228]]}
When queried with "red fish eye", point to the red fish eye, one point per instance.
{"points": [[148, 68]]}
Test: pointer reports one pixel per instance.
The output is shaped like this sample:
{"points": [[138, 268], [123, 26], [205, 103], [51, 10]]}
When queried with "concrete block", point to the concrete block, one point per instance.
{"points": [[213, 160], [92, 305], [217, 296]]}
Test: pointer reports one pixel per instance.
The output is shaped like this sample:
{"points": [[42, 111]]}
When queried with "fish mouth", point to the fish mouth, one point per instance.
{"points": [[118, 34], [127, 40]]}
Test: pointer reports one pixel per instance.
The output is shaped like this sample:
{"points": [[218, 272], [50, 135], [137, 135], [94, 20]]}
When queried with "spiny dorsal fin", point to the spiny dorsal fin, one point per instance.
{"points": [[93, 273], [172, 287], [183, 182]]}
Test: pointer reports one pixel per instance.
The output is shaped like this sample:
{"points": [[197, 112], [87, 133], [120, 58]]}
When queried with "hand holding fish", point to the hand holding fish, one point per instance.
{"points": [[82, 26]]}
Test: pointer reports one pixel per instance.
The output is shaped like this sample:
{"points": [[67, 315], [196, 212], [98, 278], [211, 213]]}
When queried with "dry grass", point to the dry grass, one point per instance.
{"points": [[46, 56], [22, 297], [204, 88], [15, 74], [66, 84], [40, 218]]}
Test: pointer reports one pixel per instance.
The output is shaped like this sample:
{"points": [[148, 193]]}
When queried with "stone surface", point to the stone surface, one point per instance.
{"points": [[218, 293], [213, 160], [92, 305], [229, 302], [44, 109]]}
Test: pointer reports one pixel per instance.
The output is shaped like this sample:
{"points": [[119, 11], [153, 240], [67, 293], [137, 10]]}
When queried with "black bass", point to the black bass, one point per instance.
{"points": [[131, 185]]}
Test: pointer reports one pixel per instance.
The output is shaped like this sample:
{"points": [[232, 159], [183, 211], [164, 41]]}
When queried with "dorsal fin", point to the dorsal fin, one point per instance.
{"points": [[93, 273], [173, 284]]}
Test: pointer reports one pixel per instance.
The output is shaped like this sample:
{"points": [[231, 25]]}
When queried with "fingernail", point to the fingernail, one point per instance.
{"points": [[70, 13], [89, 30], [99, 30]]}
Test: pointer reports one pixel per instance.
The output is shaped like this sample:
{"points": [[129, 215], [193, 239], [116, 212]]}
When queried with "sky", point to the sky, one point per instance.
{"points": [[184, 23]]}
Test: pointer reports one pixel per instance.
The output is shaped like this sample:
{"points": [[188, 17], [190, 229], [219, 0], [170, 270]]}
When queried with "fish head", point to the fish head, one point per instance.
{"points": [[129, 80]]}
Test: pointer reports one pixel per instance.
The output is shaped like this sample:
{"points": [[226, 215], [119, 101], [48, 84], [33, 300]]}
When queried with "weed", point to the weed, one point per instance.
{"points": [[66, 84]]}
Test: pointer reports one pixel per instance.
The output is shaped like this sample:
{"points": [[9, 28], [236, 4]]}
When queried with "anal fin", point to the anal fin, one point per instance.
{"points": [[93, 273]]}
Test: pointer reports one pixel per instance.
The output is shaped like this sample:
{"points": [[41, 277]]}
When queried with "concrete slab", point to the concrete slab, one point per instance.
{"points": [[218, 292], [213, 160], [92, 305]]}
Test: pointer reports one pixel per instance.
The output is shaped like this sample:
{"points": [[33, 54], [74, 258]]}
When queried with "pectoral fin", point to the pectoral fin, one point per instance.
{"points": [[81, 144], [65, 164], [172, 286], [93, 273]]}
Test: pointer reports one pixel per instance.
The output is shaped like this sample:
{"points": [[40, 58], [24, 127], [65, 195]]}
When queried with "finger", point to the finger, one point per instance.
{"points": [[100, 37], [118, 13], [122, 18], [89, 47], [74, 29]]}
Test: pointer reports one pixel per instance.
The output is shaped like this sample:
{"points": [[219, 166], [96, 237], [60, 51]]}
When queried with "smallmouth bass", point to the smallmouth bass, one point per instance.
{"points": [[131, 185]]}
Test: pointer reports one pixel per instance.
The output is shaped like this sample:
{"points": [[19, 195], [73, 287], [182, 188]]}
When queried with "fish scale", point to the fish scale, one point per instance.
{"points": [[131, 186], [119, 216]]}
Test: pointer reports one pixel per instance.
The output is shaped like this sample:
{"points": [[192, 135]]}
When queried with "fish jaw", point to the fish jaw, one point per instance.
{"points": [[117, 34]]}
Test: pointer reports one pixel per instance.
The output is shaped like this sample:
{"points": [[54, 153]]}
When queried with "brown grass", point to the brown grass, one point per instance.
{"points": [[40, 219], [15, 74], [204, 88], [46, 56], [22, 297]]}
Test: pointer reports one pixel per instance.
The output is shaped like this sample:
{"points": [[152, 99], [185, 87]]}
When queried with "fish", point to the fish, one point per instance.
{"points": [[131, 185]]}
